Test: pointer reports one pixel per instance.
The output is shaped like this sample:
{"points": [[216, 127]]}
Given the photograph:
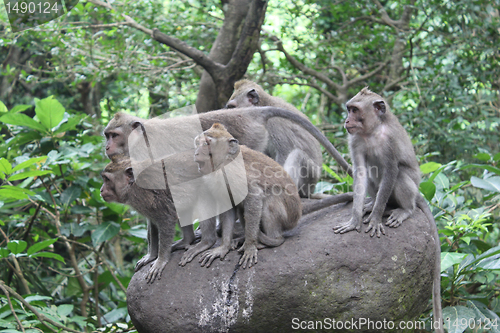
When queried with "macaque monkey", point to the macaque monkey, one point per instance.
{"points": [[117, 144], [288, 144], [386, 167], [248, 125], [272, 204], [157, 205]]}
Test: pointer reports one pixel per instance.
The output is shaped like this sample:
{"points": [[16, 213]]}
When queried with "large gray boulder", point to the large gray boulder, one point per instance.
{"points": [[315, 275]]}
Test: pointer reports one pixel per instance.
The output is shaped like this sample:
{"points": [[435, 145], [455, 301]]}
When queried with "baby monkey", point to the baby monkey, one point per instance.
{"points": [[386, 167], [271, 206]]}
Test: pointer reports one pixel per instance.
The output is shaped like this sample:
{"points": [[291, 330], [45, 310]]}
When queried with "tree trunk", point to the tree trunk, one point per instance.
{"points": [[221, 52]]}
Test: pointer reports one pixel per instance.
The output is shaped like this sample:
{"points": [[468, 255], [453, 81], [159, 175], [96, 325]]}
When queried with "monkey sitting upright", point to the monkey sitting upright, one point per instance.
{"points": [[288, 144], [272, 204], [157, 205], [386, 167]]}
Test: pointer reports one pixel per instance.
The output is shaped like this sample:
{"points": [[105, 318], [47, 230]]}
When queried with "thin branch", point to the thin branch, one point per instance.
{"points": [[198, 56], [297, 64], [370, 74], [72, 255], [12, 308], [102, 261], [40, 316], [16, 268]]}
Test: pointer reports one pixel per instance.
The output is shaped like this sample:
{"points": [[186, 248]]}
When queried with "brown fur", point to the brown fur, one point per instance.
{"points": [[248, 125], [157, 205], [271, 206], [288, 144]]}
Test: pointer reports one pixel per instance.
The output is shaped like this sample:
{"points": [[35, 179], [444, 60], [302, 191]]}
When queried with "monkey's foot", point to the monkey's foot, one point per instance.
{"points": [[348, 226], [375, 226], [397, 217], [249, 255], [193, 251], [208, 256], [181, 244], [156, 269], [144, 261]]}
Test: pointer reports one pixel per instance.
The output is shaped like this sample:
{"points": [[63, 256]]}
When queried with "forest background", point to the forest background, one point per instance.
{"points": [[66, 256]]}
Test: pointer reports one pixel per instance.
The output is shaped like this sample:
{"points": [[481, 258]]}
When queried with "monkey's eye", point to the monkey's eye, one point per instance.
{"points": [[114, 135], [105, 178]]}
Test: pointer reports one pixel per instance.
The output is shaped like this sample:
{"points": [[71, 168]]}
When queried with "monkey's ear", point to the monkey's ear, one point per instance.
{"points": [[136, 124], [233, 146], [379, 106], [253, 97], [129, 173]]}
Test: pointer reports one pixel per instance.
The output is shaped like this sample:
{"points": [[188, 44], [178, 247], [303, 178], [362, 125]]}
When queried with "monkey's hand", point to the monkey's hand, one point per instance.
{"points": [[144, 261], [375, 225], [155, 270], [249, 255], [193, 251], [208, 256], [345, 227]]}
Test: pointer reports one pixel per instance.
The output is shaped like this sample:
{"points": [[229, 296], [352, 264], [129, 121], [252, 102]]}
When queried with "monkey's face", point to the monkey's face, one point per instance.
{"points": [[354, 121], [116, 141], [242, 100], [115, 186], [203, 153], [213, 152]]}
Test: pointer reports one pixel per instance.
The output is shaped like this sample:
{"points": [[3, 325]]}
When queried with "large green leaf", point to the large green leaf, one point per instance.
{"points": [[20, 119], [105, 231], [449, 259], [429, 167], [17, 246], [5, 166], [491, 184], [428, 189], [28, 163], [20, 108], [65, 309], [14, 192], [322, 187], [70, 194], [34, 298], [33, 173], [115, 315], [48, 255], [49, 111], [456, 318], [3, 108], [485, 316], [482, 166], [40, 246]]}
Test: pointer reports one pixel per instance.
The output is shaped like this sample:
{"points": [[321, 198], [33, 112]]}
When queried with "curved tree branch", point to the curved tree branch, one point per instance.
{"points": [[303, 68], [198, 56]]}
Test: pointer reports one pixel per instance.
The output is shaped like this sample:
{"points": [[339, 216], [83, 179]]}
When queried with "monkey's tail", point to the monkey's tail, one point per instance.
{"points": [[436, 288], [312, 206], [271, 242], [270, 112]]}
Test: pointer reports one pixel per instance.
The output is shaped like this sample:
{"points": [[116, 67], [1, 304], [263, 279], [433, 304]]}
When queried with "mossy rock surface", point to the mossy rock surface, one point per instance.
{"points": [[315, 275]]}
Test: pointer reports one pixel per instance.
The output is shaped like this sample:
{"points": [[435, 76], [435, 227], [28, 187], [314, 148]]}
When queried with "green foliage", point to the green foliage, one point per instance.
{"points": [[470, 257], [445, 91], [55, 223]]}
